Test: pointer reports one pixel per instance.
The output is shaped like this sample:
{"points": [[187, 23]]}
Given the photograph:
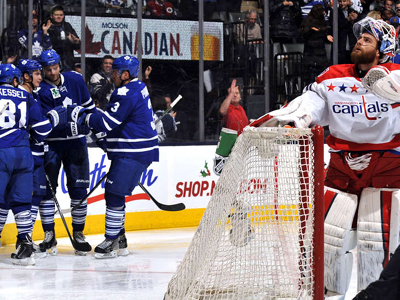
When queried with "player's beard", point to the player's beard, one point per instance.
{"points": [[363, 57]]}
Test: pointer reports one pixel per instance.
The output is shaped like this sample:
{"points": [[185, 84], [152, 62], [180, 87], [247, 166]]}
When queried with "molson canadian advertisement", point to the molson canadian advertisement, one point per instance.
{"points": [[161, 39]]}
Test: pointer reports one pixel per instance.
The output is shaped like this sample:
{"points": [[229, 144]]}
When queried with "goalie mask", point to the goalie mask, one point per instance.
{"points": [[384, 33]]}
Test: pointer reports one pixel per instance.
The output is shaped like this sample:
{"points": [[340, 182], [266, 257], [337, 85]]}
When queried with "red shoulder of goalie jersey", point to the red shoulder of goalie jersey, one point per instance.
{"points": [[348, 70]]}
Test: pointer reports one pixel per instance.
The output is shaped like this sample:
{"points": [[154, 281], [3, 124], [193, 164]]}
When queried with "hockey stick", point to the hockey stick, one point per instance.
{"points": [[172, 207], [169, 108], [74, 244], [71, 209], [4, 108]]}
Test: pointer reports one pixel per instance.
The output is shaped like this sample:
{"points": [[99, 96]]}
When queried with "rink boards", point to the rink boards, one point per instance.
{"points": [[184, 174]]}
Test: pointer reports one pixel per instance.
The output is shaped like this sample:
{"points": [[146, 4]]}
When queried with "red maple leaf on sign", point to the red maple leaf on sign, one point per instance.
{"points": [[91, 47]]}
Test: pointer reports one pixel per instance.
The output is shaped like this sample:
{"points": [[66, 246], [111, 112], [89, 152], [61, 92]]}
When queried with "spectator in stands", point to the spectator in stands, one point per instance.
{"points": [[182, 130], [283, 16], [116, 4], [101, 84], [160, 8], [40, 38], [146, 78], [388, 4], [387, 14], [253, 28], [315, 32], [397, 8], [166, 128], [231, 112], [63, 37], [375, 14], [346, 41]]}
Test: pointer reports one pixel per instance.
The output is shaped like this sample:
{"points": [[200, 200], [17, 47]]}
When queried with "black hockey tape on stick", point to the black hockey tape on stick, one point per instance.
{"points": [[71, 209], [169, 108], [172, 207], [74, 244]]}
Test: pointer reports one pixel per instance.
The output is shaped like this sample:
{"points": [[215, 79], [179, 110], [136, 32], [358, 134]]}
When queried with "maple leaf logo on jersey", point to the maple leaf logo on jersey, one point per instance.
{"points": [[90, 46], [122, 91]]}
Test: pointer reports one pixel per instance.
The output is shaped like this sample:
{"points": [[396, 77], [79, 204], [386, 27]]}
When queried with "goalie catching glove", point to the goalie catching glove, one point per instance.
{"points": [[294, 112], [383, 83]]}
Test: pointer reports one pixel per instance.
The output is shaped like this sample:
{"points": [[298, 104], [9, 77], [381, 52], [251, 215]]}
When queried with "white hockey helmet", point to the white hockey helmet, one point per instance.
{"points": [[384, 33]]}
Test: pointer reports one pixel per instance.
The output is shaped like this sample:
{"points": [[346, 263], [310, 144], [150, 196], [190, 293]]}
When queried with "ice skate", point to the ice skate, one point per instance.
{"points": [[36, 249], [107, 249], [81, 246], [49, 243], [24, 255], [122, 245]]}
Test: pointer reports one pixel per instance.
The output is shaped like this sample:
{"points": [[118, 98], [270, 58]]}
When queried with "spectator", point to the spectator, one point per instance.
{"points": [[63, 37], [397, 8], [40, 39], [387, 14], [166, 128], [388, 4], [346, 41], [231, 112], [146, 78], [160, 8], [101, 84], [395, 21], [116, 4], [182, 129], [375, 15], [253, 28], [315, 32], [283, 15]]}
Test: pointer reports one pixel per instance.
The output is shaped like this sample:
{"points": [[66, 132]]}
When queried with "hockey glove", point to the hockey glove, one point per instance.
{"points": [[57, 116], [383, 83], [100, 139], [76, 114], [73, 129]]}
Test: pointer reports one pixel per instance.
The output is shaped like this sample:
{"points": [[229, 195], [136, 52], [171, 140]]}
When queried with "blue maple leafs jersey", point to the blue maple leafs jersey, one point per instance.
{"points": [[71, 90], [129, 124], [19, 113]]}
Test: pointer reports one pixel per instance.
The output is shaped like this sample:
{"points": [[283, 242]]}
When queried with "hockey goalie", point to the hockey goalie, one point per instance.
{"points": [[360, 103]]}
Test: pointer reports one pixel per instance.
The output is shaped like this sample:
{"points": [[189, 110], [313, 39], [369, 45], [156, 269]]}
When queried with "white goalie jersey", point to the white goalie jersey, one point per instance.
{"points": [[358, 119]]}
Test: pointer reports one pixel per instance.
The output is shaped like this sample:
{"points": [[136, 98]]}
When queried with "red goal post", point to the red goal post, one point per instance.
{"points": [[262, 234]]}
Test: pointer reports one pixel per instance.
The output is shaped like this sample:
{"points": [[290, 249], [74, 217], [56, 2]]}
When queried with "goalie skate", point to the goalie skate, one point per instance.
{"points": [[24, 254], [49, 243], [81, 246], [107, 249]]}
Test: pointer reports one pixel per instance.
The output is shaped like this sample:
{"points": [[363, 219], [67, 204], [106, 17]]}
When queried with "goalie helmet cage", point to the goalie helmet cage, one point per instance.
{"points": [[261, 236]]}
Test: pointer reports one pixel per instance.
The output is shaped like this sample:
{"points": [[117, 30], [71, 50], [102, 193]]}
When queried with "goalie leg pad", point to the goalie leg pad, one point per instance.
{"points": [[378, 232], [339, 239]]}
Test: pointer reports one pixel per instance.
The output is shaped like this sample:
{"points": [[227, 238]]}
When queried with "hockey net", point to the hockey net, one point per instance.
{"points": [[261, 236]]}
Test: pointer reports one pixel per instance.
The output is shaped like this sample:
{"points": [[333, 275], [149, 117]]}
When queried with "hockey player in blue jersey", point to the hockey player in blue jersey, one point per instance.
{"points": [[132, 145], [67, 146], [19, 112]]}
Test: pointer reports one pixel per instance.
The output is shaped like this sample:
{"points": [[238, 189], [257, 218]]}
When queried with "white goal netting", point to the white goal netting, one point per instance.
{"points": [[255, 240]]}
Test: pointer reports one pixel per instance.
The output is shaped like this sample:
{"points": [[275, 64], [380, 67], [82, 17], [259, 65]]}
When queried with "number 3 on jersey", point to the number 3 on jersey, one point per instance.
{"points": [[9, 114]]}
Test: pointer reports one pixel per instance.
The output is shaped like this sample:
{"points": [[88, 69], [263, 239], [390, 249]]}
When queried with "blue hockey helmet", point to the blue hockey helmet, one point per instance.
{"points": [[8, 72], [49, 58], [126, 63], [29, 65]]}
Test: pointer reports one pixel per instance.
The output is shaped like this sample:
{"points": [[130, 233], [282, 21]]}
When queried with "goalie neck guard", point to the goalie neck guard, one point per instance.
{"points": [[384, 33]]}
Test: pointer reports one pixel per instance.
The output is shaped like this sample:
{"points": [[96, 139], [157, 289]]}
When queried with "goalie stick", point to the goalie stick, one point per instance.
{"points": [[76, 245], [174, 207]]}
